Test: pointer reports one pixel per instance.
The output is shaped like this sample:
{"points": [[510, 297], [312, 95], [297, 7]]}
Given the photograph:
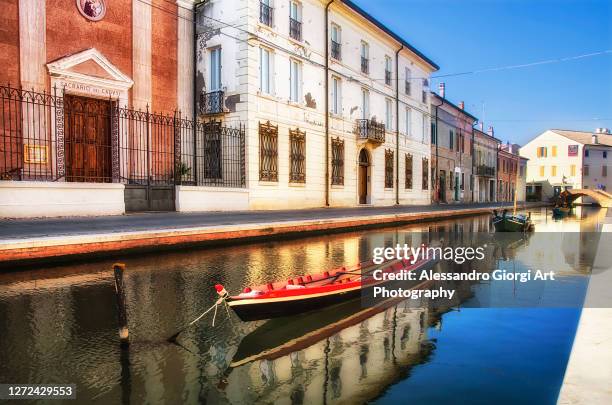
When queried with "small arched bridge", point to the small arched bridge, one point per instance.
{"points": [[603, 198]]}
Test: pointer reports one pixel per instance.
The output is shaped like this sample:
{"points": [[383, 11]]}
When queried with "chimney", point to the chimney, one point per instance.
{"points": [[461, 105], [594, 139], [491, 132], [442, 88]]}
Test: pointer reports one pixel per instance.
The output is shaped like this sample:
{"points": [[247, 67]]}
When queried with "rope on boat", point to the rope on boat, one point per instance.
{"points": [[214, 306]]}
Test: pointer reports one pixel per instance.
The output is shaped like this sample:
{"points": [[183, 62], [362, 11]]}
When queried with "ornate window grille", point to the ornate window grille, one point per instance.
{"points": [[365, 65], [295, 29], [388, 168], [265, 14], [268, 152], [408, 171], [425, 173], [297, 156], [337, 162], [336, 50]]}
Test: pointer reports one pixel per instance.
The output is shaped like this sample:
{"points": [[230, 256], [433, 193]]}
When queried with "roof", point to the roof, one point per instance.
{"points": [[446, 101], [476, 130], [392, 34], [585, 138]]}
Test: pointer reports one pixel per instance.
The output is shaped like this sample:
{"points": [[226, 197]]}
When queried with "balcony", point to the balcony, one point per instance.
{"points": [[265, 14], [370, 130], [484, 170], [336, 50], [212, 103], [388, 77], [295, 29], [365, 65]]}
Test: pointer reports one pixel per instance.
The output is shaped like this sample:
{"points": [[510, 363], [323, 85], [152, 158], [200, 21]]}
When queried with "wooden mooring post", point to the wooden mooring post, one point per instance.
{"points": [[118, 269]]}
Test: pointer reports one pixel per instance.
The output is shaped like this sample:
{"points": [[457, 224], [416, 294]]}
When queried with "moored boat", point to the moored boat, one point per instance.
{"points": [[561, 211], [311, 292], [511, 223]]}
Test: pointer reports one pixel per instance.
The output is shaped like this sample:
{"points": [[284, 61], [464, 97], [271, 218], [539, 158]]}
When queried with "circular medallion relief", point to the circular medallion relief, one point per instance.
{"points": [[93, 10]]}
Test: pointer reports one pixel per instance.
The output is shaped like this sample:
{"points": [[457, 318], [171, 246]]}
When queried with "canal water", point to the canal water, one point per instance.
{"points": [[59, 325]]}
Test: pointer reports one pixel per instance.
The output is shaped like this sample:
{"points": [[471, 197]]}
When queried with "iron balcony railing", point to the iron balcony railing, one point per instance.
{"points": [[295, 29], [265, 14], [336, 50], [388, 77], [212, 102], [484, 170], [370, 130], [365, 65]]}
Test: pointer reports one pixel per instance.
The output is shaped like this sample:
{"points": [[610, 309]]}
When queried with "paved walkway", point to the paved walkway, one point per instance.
{"points": [[36, 228]]}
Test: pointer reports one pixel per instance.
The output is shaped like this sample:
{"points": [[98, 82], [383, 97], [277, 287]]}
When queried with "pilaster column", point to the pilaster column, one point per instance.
{"points": [[141, 54], [32, 47], [185, 63]]}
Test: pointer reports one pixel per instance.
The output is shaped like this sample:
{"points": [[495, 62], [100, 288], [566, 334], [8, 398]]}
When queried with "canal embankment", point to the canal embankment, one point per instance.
{"points": [[26, 242]]}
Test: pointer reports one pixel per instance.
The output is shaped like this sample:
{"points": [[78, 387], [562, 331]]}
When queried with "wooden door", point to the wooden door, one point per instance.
{"points": [[363, 184], [88, 141]]}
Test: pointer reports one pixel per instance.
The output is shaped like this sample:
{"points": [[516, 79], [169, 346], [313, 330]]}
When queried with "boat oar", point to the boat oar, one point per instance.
{"points": [[221, 299]]}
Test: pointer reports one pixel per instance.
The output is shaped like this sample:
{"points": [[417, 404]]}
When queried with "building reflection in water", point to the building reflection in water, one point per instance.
{"points": [[59, 324]]}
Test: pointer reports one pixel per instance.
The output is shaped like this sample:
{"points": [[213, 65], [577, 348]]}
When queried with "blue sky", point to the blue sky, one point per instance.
{"points": [[466, 35]]}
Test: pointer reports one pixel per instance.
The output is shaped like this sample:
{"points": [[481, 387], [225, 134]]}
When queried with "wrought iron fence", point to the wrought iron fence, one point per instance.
{"points": [[212, 102], [365, 65], [265, 14], [63, 137], [370, 130], [295, 29], [336, 50]]}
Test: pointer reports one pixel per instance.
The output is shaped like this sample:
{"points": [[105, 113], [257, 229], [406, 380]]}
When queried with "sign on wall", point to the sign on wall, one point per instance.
{"points": [[572, 150]]}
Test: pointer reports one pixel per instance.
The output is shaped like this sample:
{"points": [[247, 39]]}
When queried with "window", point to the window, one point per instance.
{"points": [[408, 171], [408, 82], [387, 71], [586, 152], [297, 156], [295, 21], [434, 134], [337, 156], [268, 152], [408, 121], [554, 151], [572, 170], [388, 168], [541, 171], [542, 151], [604, 171], [265, 71], [424, 127], [585, 171], [365, 55], [265, 12], [425, 171], [451, 139], [462, 181], [553, 170], [215, 69], [388, 114], [605, 154], [336, 106], [212, 162], [295, 80], [336, 42], [365, 104]]}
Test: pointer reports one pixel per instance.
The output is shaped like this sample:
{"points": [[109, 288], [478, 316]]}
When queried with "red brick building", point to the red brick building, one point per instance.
{"points": [[507, 169], [130, 50]]}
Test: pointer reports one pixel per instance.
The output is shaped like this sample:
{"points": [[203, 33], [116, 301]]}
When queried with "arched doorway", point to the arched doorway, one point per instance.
{"points": [[363, 180]]}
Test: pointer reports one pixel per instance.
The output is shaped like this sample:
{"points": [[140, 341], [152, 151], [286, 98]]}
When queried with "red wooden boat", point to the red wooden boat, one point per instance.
{"points": [[311, 292]]}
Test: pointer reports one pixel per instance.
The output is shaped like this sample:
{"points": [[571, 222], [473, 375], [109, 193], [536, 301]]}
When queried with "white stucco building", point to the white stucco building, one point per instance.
{"points": [[565, 158], [277, 66]]}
